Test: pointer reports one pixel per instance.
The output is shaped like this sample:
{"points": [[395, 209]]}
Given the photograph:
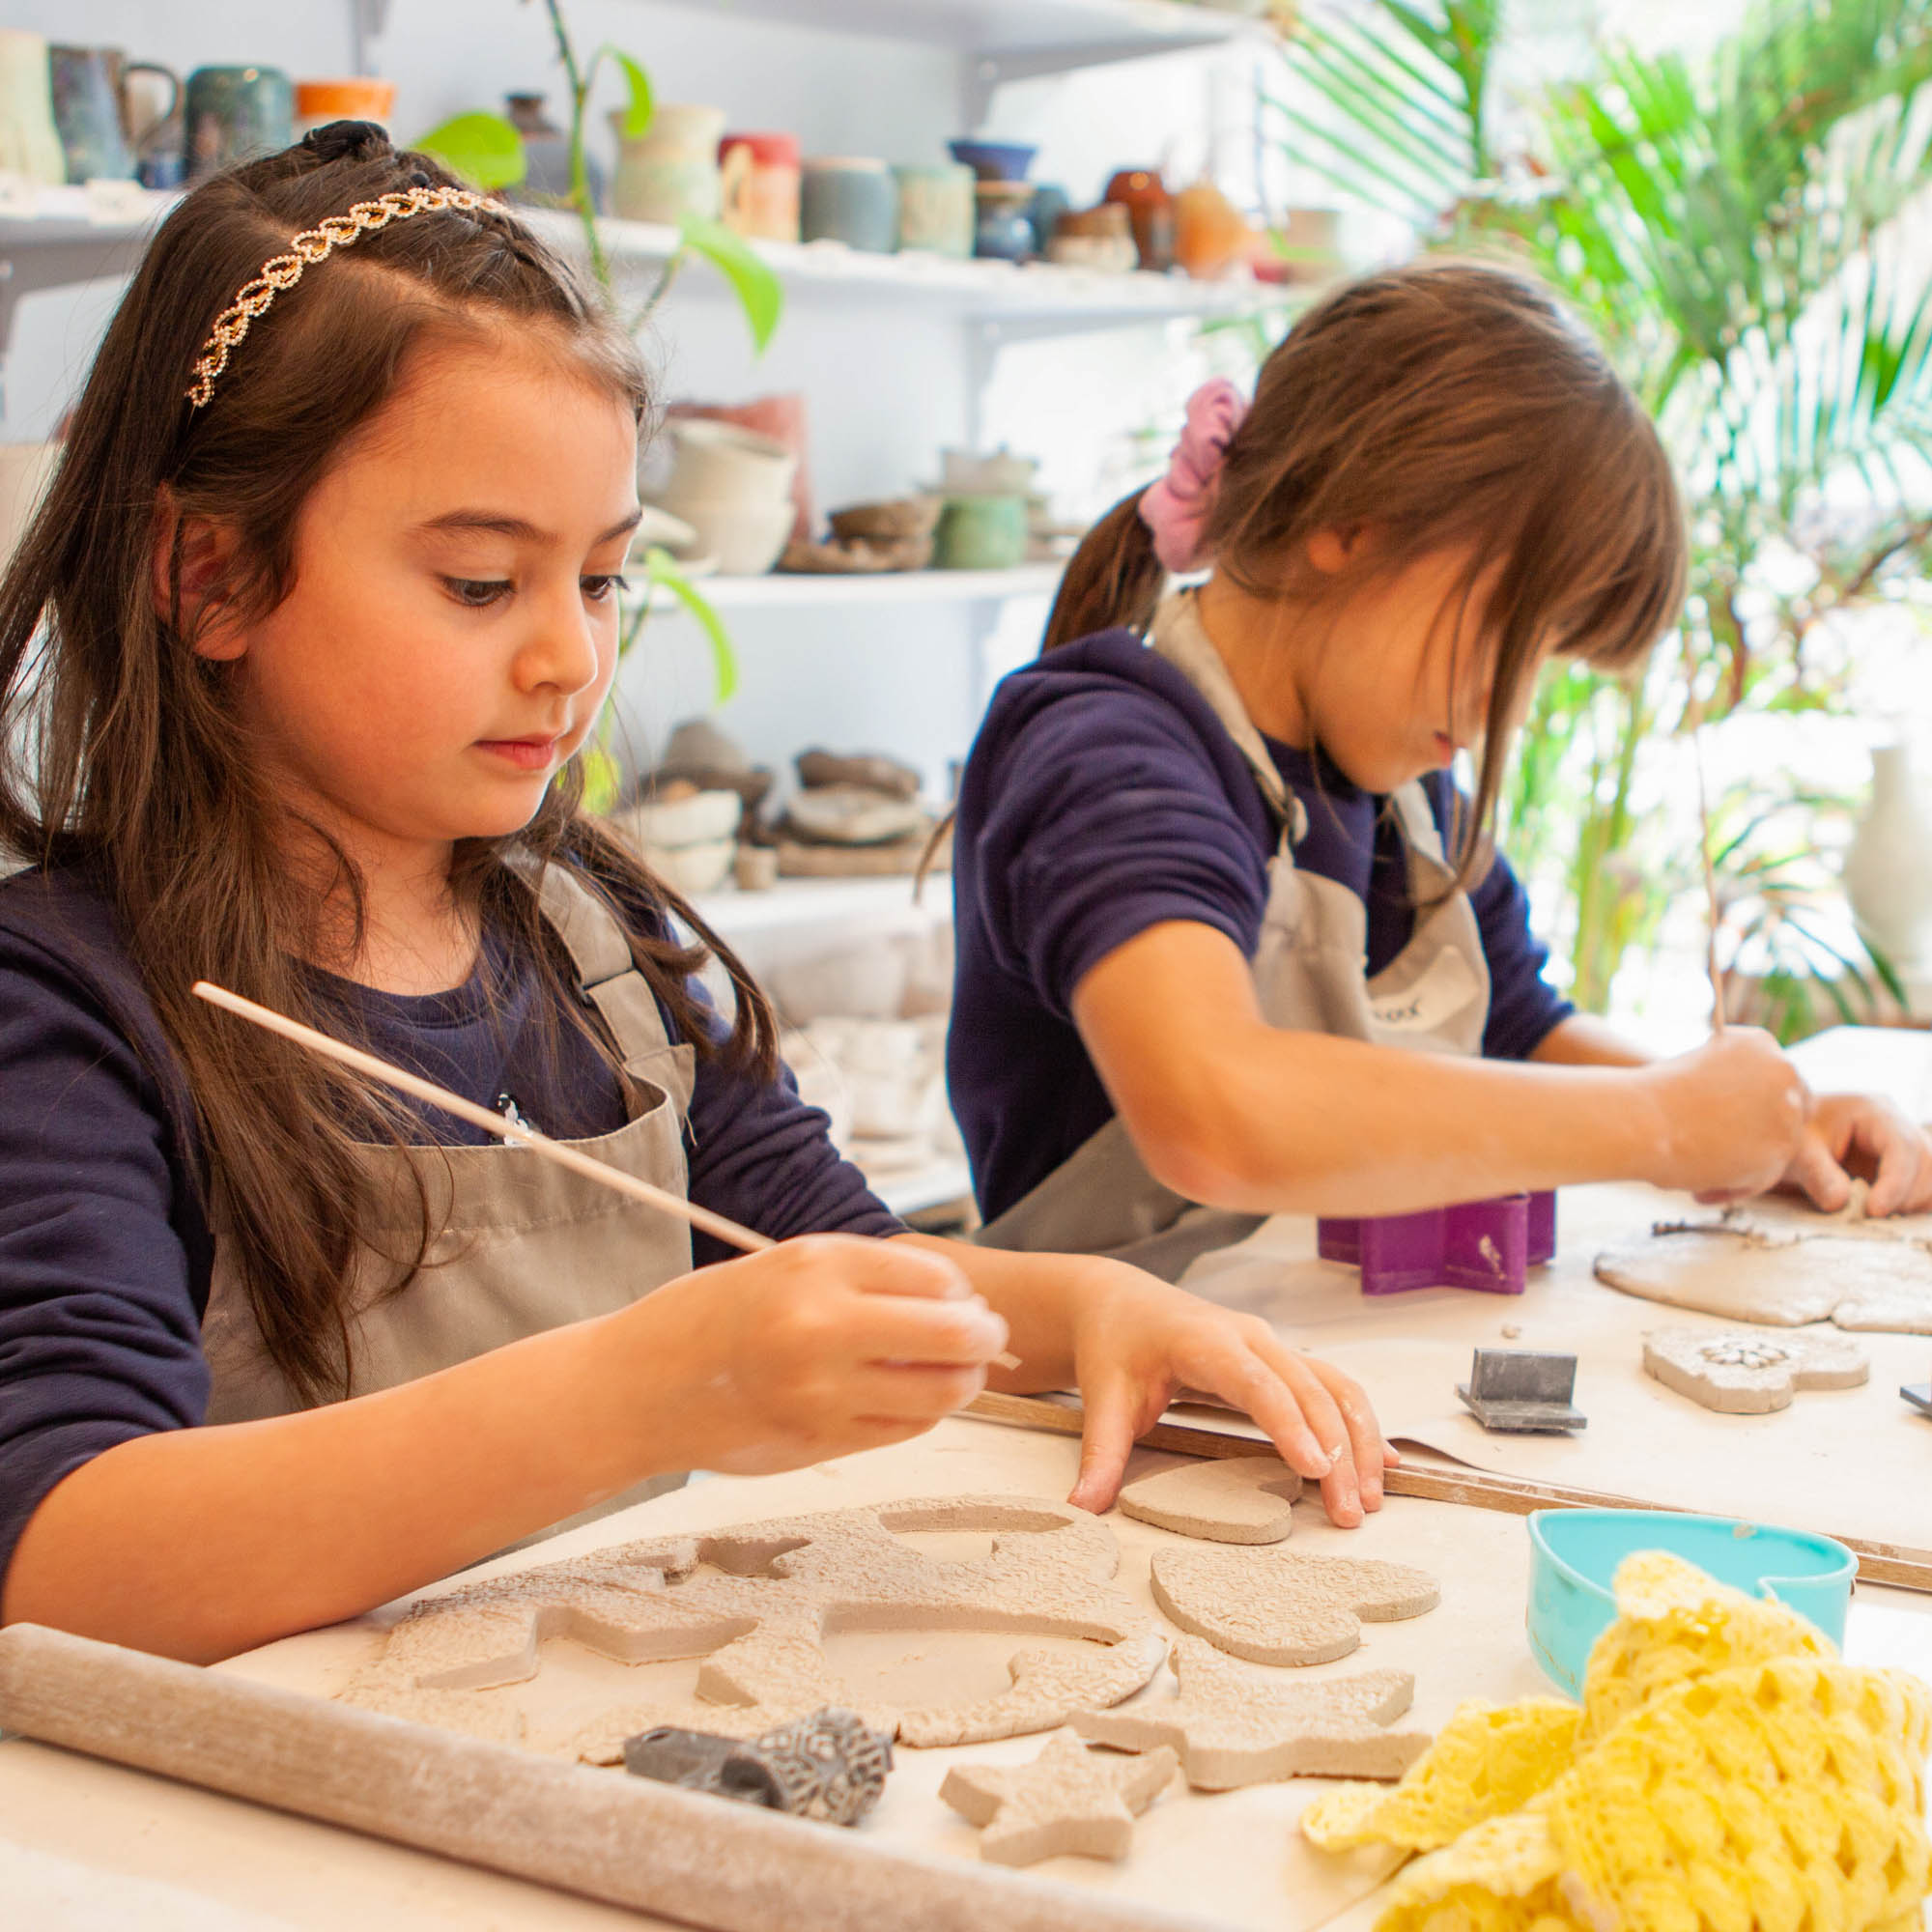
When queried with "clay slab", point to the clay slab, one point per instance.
{"points": [[1243, 1499], [1069, 1799], [1285, 1609], [756, 1601], [1234, 1725], [1749, 1372]]}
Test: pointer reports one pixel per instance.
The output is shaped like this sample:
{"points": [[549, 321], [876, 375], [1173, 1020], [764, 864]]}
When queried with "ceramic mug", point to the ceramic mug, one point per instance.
{"points": [[982, 534], [761, 184], [91, 109], [235, 113], [30, 144], [670, 171], [936, 208], [715, 462], [850, 199], [353, 98]]}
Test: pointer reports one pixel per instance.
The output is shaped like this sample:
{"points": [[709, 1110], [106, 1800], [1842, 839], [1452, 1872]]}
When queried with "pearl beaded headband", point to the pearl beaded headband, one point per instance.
{"points": [[282, 273]]}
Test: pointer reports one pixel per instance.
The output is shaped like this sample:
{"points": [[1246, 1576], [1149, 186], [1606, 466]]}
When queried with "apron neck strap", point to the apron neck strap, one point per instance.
{"points": [[1178, 637]]}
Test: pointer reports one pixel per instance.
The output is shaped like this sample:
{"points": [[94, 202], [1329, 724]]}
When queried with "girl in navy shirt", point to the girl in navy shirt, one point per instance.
{"points": [[1228, 941], [294, 663]]}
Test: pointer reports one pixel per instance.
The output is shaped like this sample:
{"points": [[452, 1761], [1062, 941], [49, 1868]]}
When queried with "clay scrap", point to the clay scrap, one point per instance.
{"points": [[1776, 1263], [1747, 1371], [756, 1601], [1243, 1499], [1285, 1609], [1069, 1799], [1234, 1725]]}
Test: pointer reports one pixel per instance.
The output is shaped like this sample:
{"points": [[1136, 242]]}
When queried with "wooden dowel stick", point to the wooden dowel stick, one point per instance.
{"points": [[1900, 1565], [518, 1134]]}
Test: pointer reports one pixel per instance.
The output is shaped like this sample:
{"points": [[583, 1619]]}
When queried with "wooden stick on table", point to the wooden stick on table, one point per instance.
{"points": [[1900, 1565], [516, 1132]]}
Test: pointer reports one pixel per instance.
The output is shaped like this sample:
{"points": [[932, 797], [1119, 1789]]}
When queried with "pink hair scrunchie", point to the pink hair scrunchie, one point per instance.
{"points": [[1175, 508]]}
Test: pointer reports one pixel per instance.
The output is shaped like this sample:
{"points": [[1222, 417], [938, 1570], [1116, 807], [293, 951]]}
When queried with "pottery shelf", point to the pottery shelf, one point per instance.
{"points": [[51, 236], [841, 904], [1037, 296], [782, 592]]}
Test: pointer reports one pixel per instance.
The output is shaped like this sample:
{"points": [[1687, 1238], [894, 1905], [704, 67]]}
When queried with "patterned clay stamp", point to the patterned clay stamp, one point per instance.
{"points": [[1069, 1799], [1749, 1372], [1285, 1609], [1234, 1725], [1242, 1499]]}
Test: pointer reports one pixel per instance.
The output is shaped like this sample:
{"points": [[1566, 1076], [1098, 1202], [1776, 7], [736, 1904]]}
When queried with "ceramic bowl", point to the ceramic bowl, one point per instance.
{"points": [[994, 160], [740, 539], [691, 869], [1575, 1553], [701, 819]]}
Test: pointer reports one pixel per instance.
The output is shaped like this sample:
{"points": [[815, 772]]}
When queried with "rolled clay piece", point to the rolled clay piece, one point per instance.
{"points": [[1285, 1609], [1235, 1726], [1069, 1799], [1749, 1372], [1243, 1499]]}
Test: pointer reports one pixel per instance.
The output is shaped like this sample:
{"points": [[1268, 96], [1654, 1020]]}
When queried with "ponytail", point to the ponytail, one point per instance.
{"points": [[1113, 580]]}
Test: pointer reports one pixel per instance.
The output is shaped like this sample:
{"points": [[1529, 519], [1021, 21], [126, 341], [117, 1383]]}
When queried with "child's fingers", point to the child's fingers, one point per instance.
{"points": [[1366, 1447], [888, 1330], [1824, 1183], [1899, 1150], [1107, 1431], [894, 1266], [1299, 1414]]}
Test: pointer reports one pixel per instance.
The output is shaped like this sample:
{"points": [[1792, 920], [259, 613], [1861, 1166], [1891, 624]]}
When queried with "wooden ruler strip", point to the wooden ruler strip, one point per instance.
{"points": [[1898, 1564]]}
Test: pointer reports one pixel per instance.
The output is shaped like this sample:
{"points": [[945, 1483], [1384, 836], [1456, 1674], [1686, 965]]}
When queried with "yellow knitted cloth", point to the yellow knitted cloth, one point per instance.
{"points": [[1724, 1773]]}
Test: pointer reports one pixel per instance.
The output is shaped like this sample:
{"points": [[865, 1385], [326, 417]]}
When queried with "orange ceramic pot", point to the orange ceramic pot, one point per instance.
{"points": [[1210, 234]]}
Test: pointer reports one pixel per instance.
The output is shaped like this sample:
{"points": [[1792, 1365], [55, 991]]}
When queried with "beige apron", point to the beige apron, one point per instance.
{"points": [[1310, 968], [526, 1245]]}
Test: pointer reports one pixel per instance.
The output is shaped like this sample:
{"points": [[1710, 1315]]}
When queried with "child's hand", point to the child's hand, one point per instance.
{"points": [[817, 1347], [1731, 1116], [1137, 1341], [1859, 1134]]}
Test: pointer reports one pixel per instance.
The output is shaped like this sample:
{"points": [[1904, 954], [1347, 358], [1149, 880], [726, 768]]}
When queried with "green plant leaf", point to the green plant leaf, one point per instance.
{"points": [[661, 568], [483, 147], [642, 105], [760, 294]]}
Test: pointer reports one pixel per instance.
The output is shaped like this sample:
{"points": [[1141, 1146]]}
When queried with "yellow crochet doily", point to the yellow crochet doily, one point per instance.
{"points": [[1725, 1772]]}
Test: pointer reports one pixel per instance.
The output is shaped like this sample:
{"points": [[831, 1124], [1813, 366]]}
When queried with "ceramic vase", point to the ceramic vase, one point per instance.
{"points": [[671, 171], [236, 113], [1150, 207], [1889, 868], [1210, 234], [30, 144]]}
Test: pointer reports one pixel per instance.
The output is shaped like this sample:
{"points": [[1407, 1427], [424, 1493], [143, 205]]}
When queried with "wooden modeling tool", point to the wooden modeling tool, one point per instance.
{"points": [[1900, 1565], [518, 1133]]}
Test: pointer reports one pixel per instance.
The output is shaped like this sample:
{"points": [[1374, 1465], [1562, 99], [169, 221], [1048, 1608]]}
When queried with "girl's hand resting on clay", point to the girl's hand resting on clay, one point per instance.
{"points": [[1860, 1136], [814, 1348], [1730, 1119], [1137, 1341]]}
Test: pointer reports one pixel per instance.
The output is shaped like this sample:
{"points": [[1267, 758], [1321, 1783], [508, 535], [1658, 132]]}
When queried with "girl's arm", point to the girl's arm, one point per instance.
{"points": [[1848, 1133], [1232, 1112], [199, 1543]]}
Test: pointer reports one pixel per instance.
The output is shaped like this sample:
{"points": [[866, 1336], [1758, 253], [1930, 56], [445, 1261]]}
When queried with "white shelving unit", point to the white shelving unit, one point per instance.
{"points": [[801, 592], [837, 904]]}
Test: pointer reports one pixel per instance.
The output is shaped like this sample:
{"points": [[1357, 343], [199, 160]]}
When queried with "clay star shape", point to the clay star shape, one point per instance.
{"points": [[1069, 1799], [1235, 1725]]}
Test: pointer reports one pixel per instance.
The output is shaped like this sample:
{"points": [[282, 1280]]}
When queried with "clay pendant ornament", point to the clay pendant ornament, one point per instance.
{"points": [[1243, 1499], [1749, 1371], [1235, 1726], [1069, 1799], [1285, 1609]]}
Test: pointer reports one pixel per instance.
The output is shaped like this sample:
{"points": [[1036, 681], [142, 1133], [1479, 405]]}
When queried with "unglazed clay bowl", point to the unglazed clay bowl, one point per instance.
{"points": [[1575, 1553], [994, 160]]}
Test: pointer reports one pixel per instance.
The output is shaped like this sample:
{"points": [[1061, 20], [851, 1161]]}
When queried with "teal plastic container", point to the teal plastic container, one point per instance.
{"points": [[1575, 1553]]}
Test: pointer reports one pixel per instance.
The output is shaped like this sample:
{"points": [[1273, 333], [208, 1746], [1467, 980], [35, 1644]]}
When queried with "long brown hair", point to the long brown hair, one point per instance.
{"points": [[122, 754], [1442, 406]]}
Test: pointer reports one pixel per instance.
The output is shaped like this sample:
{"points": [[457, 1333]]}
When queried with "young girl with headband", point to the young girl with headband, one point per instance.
{"points": [[1230, 943], [294, 661]]}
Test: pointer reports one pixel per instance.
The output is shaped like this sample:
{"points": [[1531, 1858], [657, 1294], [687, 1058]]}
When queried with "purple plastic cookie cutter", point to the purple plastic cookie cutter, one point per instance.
{"points": [[1488, 1245]]}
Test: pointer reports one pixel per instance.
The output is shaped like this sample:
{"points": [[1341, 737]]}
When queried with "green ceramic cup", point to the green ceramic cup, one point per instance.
{"points": [[235, 113], [982, 534]]}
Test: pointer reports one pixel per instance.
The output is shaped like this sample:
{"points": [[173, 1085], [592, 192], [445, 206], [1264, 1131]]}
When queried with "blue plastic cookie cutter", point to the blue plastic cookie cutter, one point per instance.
{"points": [[1575, 1553], [1488, 1245]]}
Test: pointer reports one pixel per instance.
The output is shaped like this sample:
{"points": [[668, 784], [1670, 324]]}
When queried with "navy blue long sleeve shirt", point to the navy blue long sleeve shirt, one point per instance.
{"points": [[1103, 796], [105, 1251]]}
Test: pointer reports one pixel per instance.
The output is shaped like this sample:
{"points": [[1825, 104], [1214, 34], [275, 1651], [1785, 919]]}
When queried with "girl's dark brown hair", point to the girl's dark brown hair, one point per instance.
{"points": [[1440, 407], [123, 756]]}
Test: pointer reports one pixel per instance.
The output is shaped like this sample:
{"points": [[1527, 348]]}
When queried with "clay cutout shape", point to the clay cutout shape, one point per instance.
{"points": [[1747, 1371], [1778, 1264], [1069, 1799], [756, 1600], [1243, 1499], [1234, 1725], [1285, 1609]]}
